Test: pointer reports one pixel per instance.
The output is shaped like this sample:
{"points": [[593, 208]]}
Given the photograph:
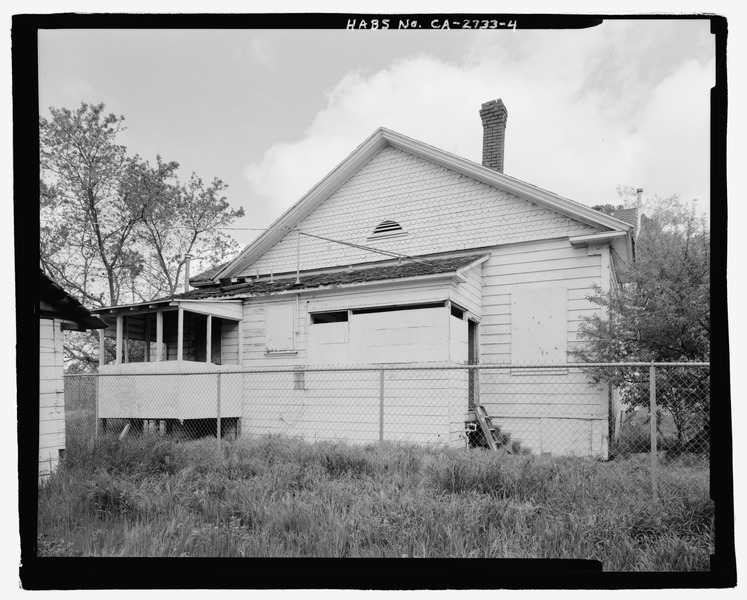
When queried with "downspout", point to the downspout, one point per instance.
{"points": [[295, 329]]}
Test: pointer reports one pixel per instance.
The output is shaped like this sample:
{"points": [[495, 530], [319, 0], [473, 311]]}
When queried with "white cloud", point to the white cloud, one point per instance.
{"points": [[260, 51], [588, 111]]}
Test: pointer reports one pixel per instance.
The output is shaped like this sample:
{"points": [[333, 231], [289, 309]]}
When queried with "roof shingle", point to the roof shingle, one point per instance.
{"points": [[334, 278]]}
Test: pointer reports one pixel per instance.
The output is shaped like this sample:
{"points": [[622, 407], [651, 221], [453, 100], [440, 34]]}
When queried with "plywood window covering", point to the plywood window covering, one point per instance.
{"points": [[279, 328], [539, 326]]}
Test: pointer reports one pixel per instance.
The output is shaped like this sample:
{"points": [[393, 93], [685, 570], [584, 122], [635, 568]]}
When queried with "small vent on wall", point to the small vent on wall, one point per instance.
{"points": [[387, 228]]}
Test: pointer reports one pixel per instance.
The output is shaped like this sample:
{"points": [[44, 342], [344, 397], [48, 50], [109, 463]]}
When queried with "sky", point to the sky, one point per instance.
{"points": [[272, 111]]}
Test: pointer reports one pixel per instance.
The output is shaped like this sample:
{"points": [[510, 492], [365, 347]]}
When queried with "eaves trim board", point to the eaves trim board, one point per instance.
{"points": [[378, 140]]}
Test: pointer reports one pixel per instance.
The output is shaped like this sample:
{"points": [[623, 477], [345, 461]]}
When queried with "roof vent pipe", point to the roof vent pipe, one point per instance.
{"points": [[639, 210], [187, 261]]}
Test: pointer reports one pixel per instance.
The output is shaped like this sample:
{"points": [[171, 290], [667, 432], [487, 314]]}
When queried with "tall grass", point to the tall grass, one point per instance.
{"points": [[276, 496]]}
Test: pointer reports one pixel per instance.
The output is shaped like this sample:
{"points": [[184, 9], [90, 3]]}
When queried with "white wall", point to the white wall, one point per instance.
{"points": [[258, 319], [534, 299], [425, 407], [168, 390], [51, 395]]}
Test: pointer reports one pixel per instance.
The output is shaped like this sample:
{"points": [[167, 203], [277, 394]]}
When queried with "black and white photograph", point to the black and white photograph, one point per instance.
{"points": [[374, 286]]}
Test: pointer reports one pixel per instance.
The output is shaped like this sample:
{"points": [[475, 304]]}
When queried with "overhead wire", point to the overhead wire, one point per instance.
{"points": [[370, 249], [326, 239]]}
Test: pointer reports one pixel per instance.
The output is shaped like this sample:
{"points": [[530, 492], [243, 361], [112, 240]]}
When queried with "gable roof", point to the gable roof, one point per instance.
{"points": [[383, 137], [54, 302], [356, 276]]}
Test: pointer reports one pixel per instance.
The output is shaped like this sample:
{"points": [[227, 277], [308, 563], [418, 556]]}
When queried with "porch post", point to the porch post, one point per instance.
{"points": [[126, 339], [180, 335], [239, 332], [209, 335], [146, 319], [102, 348], [159, 335], [118, 359]]}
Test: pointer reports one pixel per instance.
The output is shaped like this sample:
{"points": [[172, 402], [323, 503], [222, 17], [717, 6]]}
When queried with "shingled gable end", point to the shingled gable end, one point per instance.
{"points": [[403, 255]]}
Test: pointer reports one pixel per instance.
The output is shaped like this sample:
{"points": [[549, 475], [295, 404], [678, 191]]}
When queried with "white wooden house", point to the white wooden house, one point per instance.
{"points": [[58, 312], [405, 255]]}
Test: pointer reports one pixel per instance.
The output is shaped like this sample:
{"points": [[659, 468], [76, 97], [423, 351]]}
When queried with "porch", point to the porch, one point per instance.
{"points": [[174, 361]]}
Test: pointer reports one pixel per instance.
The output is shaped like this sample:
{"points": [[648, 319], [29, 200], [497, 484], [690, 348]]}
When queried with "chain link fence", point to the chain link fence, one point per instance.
{"points": [[651, 413]]}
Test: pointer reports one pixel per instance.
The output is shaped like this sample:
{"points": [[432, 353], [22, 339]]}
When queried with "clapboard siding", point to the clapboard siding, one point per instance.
{"points": [[538, 268], [426, 407], [558, 412], [255, 330], [254, 326], [439, 209], [469, 294], [567, 437], [229, 342], [51, 395]]}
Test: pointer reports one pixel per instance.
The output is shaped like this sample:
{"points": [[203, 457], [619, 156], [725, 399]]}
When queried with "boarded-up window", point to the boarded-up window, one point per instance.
{"points": [[279, 327], [539, 325]]}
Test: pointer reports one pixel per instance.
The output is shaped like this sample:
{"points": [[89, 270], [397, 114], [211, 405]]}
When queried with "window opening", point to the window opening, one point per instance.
{"points": [[363, 311], [338, 316]]}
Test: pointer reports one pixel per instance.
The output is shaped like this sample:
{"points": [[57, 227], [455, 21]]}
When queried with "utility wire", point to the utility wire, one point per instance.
{"points": [[370, 249], [358, 246]]}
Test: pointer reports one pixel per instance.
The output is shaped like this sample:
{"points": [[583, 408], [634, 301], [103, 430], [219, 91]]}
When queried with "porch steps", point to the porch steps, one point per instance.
{"points": [[493, 436]]}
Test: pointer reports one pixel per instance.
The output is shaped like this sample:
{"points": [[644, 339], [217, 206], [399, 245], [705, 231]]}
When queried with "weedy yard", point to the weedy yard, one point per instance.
{"points": [[281, 497]]}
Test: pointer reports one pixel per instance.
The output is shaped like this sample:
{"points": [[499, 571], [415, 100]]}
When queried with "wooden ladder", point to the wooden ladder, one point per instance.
{"points": [[486, 424]]}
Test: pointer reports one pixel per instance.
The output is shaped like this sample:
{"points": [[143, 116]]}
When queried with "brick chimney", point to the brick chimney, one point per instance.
{"points": [[494, 117]]}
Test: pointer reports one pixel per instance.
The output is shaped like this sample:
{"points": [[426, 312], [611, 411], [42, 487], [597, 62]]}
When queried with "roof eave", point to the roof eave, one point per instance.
{"points": [[356, 284], [494, 178], [341, 173], [620, 241]]}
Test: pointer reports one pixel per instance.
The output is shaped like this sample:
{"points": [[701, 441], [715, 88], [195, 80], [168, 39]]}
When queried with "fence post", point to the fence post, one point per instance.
{"points": [[654, 434], [218, 424], [96, 408], [381, 405]]}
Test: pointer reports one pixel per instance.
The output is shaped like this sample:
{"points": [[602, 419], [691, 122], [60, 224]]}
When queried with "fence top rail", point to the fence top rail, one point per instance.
{"points": [[405, 367]]}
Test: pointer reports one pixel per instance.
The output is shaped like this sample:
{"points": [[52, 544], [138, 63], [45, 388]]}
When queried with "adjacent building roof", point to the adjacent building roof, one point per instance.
{"points": [[54, 302], [629, 215]]}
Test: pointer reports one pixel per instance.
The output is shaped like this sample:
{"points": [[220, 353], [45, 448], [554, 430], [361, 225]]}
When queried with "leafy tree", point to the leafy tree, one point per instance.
{"points": [[188, 222], [608, 209], [107, 217], [88, 220], [661, 315]]}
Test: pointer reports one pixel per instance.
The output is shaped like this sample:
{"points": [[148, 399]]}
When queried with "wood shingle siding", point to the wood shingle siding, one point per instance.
{"points": [[440, 209]]}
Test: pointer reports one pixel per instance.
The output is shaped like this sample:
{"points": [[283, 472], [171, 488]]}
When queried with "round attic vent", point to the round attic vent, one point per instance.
{"points": [[387, 228]]}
